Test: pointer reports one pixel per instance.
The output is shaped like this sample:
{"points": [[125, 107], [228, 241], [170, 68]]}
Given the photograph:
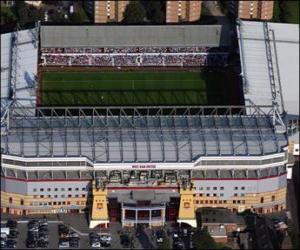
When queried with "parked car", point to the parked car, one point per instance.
{"points": [[63, 244], [96, 244], [125, 241], [12, 224], [13, 234], [31, 243], [11, 243], [74, 234], [43, 243], [159, 236]]}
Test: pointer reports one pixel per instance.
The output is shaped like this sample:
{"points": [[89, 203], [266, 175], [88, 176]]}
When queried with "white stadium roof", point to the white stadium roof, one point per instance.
{"points": [[25, 66], [284, 47]]}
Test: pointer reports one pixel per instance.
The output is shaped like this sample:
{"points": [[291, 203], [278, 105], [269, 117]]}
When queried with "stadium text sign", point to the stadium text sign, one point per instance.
{"points": [[143, 166]]}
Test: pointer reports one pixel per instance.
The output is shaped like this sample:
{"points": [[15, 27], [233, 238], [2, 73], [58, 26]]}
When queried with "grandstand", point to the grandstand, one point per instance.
{"points": [[139, 163]]}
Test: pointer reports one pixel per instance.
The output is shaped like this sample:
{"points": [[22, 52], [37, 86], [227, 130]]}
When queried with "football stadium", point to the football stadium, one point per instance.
{"points": [[140, 124]]}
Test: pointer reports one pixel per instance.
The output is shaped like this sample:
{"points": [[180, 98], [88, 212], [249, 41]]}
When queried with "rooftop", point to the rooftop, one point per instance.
{"points": [[138, 138], [136, 35], [220, 215], [256, 40]]}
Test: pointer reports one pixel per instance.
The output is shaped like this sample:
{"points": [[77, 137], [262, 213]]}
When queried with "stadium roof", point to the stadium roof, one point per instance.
{"points": [[284, 48], [134, 138], [138, 35], [25, 51]]}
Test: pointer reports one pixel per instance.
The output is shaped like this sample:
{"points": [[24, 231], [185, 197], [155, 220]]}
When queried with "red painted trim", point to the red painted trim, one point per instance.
{"points": [[236, 179], [44, 180], [135, 188]]}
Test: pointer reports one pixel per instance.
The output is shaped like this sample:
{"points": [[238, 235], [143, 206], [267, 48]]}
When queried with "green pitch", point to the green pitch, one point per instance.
{"points": [[133, 88]]}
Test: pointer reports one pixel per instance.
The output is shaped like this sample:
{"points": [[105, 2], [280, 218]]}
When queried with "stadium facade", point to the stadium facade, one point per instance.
{"points": [[135, 164]]}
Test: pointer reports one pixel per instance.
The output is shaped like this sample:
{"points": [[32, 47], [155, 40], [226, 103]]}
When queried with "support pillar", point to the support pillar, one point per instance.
{"points": [[150, 217], [136, 216]]}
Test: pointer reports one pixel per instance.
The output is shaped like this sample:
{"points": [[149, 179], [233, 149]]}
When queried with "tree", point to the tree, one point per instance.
{"points": [[7, 15], [166, 243], [154, 11], [79, 16], [134, 13], [203, 240]]}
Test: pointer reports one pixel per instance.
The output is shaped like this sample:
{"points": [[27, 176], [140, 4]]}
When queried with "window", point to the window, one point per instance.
{"points": [[234, 202], [49, 203], [273, 197], [49, 196], [76, 195], [243, 188], [62, 189], [55, 196], [35, 196], [210, 202], [10, 199], [220, 202], [41, 196], [83, 189], [69, 195], [64, 203], [238, 201], [235, 194], [207, 195], [243, 201], [41, 189], [222, 188], [34, 190], [214, 188], [236, 188], [242, 194], [262, 200], [76, 189], [221, 194], [200, 188], [21, 202], [55, 189], [68, 202], [206, 202], [207, 188], [62, 196], [59, 203], [69, 189], [77, 203], [200, 195], [48, 189], [83, 196], [54, 203], [224, 202], [215, 194]]}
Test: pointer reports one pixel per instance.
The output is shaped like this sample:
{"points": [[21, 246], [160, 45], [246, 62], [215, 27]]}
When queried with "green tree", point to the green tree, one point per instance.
{"points": [[203, 240], [154, 11], [7, 16], [166, 243], [79, 16], [134, 13]]}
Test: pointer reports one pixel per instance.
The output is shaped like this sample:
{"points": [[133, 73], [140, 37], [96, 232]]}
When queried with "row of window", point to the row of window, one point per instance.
{"points": [[61, 189], [221, 188], [218, 202], [56, 203], [61, 196]]}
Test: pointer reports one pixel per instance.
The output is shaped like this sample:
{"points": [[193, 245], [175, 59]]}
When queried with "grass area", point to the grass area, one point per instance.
{"points": [[133, 88]]}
